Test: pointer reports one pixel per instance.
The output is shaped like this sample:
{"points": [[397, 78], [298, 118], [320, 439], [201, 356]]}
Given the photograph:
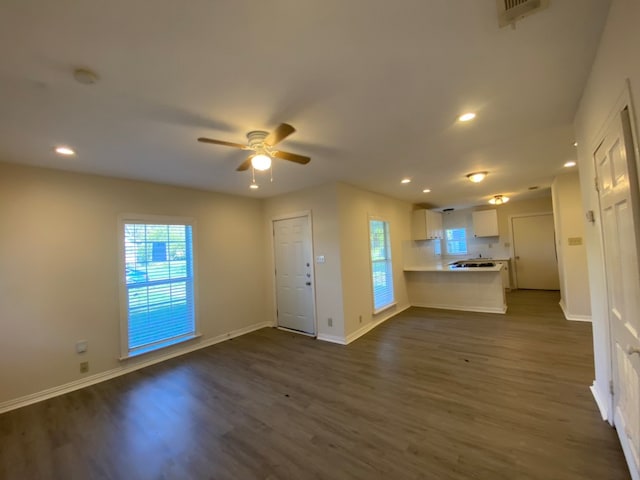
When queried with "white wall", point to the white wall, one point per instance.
{"points": [[495, 247], [322, 202], [572, 259], [616, 61], [59, 269], [355, 206]]}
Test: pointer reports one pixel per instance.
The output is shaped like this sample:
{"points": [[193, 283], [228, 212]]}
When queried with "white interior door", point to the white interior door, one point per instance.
{"points": [[294, 269], [619, 209], [536, 265]]}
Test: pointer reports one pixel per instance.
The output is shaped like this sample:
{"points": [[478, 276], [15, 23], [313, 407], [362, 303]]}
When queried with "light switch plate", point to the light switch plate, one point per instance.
{"points": [[320, 259]]}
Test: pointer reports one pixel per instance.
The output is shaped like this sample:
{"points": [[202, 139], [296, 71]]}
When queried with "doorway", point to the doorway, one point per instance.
{"points": [[293, 258], [618, 195], [534, 252]]}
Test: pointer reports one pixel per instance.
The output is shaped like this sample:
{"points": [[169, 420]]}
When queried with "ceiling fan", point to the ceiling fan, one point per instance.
{"points": [[261, 143]]}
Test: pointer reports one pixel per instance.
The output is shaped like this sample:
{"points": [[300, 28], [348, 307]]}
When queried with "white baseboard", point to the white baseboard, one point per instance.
{"points": [[570, 316], [500, 310], [370, 326], [602, 403], [331, 338], [125, 368]]}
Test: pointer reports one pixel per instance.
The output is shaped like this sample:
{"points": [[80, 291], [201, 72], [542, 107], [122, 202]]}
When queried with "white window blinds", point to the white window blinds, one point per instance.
{"points": [[158, 285], [456, 240], [381, 267]]}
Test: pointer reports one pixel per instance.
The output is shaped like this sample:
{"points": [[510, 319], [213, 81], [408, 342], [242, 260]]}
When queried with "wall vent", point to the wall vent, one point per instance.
{"points": [[510, 11]]}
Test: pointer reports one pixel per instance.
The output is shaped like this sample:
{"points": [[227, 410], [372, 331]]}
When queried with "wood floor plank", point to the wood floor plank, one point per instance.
{"points": [[430, 394]]}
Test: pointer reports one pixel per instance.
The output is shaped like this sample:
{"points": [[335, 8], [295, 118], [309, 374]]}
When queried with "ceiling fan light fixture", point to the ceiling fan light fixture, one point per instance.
{"points": [[477, 177], [261, 162], [498, 200]]}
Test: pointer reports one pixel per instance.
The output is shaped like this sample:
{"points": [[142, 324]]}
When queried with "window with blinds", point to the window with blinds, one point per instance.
{"points": [[381, 267], [456, 241], [158, 285]]}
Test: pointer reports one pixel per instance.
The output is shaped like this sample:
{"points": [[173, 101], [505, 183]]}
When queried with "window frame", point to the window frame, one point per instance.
{"points": [[131, 218], [466, 242], [388, 259]]}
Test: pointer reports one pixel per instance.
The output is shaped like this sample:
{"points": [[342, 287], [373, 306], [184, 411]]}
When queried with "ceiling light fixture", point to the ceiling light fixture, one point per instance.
{"points": [[498, 200], [467, 117], [426, 190], [261, 162], [65, 151], [570, 163], [405, 180], [575, 144], [477, 177]]}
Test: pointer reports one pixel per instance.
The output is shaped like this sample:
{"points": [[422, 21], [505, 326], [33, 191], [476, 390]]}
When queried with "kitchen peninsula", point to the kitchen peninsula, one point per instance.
{"points": [[456, 287]]}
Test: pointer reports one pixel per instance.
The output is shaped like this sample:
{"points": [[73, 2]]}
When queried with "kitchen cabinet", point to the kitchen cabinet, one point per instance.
{"points": [[426, 225], [485, 223]]}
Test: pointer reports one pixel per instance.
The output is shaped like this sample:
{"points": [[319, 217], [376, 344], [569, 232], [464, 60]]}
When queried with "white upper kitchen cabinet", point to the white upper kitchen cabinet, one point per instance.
{"points": [[485, 223], [426, 225]]}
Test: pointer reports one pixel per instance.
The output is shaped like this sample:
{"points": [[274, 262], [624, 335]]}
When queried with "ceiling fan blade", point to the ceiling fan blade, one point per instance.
{"points": [[279, 134], [245, 165], [221, 142], [292, 157]]}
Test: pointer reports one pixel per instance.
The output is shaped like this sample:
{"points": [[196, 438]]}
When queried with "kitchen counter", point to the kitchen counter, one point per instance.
{"points": [[446, 267], [475, 289]]}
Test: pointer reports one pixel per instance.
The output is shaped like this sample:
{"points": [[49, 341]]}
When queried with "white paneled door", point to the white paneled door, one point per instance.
{"points": [[294, 274], [617, 182], [534, 248]]}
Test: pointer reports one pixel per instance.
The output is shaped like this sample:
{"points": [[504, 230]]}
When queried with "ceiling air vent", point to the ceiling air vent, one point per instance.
{"points": [[510, 11]]}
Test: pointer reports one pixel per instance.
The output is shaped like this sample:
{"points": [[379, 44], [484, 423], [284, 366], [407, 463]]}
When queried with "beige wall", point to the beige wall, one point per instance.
{"points": [[355, 206], [59, 269], [572, 259], [322, 202], [616, 61]]}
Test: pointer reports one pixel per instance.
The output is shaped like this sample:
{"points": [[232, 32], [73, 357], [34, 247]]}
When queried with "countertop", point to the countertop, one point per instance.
{"points": [[445, 267]]}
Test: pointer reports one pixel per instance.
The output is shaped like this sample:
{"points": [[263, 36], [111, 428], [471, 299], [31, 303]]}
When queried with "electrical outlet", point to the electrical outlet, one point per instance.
{"points": [[84, 367], [330, 321]]}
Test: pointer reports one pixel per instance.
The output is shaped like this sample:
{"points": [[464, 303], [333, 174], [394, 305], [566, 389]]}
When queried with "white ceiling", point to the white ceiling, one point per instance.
{"points": [[373, 88]]}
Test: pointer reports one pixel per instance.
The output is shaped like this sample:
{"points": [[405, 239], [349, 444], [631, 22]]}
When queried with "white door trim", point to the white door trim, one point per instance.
{"points": [[512, 248], [288, 216]]}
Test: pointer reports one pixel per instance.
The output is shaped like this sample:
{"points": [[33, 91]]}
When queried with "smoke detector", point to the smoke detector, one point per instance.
{"points": [[511, 11]]}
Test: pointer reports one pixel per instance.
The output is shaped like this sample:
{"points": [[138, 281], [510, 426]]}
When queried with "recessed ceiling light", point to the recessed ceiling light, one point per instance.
{"points": [[467, 117], [476, 177], [65, 151], [498, 200], [254, 186], [570, 164], [575, 144], [426, 190], [405, 180]]}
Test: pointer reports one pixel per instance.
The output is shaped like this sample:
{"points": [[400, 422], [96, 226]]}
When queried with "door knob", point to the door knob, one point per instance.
{"points": [[308, 283], [631, 350], [517, 258]]}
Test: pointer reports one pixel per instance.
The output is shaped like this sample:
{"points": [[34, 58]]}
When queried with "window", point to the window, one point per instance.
{"points": [[158, 285], [456, 240], [381, 268]]}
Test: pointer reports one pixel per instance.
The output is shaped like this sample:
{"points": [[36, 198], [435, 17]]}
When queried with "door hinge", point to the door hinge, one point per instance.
{"points": [[277, 313], [611, 387], [595, 181]]}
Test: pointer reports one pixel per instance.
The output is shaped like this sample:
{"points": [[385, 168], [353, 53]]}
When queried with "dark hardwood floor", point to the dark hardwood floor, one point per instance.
{"points": [[430, 394]]}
